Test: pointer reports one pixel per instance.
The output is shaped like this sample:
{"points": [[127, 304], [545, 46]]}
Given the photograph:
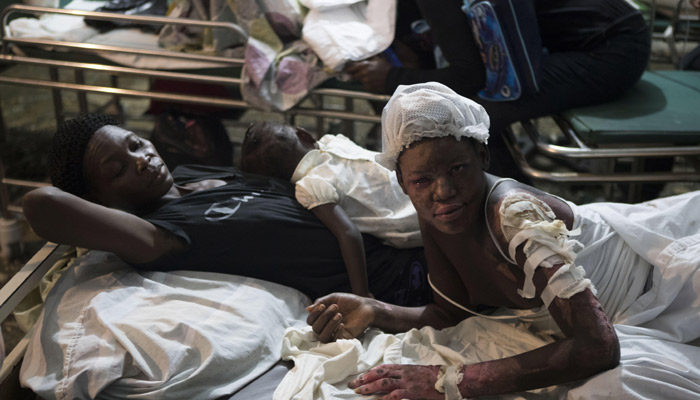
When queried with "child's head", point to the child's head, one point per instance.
{"points": [[428, 110], [274, 149]]}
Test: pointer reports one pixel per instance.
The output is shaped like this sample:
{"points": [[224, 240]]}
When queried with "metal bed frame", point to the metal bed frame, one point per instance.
{"points": [[11, 294], [314, 106]]}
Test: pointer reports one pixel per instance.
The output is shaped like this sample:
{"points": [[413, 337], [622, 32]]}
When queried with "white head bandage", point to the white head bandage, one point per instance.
{"points": [[428, 110]]}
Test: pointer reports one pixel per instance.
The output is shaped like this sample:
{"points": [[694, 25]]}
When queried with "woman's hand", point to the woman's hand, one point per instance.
{"points": [[371, 73], [340, 316], [399, 382]]}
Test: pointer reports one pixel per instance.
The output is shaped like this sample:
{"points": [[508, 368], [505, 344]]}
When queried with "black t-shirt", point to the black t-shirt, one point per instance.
{"points": [[253, 226]]}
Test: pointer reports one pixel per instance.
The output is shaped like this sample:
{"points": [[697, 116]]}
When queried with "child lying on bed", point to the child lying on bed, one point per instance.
{"points": [[341, 184], [112, 192]]}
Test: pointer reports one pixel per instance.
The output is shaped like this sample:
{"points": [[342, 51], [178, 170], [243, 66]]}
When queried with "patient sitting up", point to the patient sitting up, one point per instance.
{"points": [[113, 192], [341, 184]]}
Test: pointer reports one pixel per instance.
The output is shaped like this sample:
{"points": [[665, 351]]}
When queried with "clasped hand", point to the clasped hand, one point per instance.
{"points": [[340, 316]]}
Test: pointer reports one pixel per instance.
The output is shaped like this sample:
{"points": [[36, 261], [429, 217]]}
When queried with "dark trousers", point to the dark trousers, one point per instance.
{"points": [[569, 78]]}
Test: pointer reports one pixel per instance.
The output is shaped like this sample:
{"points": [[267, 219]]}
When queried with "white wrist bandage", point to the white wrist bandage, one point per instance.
{"points": [[448, 380]]}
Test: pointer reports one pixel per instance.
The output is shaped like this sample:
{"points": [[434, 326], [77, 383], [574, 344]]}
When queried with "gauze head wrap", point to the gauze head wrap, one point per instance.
{"points": [[428, 110]]}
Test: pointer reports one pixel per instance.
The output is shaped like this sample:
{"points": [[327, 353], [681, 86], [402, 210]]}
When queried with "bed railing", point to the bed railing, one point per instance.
{"points": [[14, 291], [6, 56], [11, 53]]}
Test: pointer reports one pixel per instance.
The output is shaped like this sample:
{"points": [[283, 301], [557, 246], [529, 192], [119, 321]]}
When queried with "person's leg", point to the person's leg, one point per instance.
{"points": [[578, 78], [569, 79]]}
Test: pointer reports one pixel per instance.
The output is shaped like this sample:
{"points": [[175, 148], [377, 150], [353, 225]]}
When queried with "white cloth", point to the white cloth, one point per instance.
{"points": [[651, 368], [342, 172], [664, 233], [428, 110], [110, 332], [348, 30], [654, 324]]}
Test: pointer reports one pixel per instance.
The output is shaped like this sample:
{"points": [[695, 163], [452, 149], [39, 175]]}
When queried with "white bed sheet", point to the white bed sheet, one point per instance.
{"points": [[108, 331], [650, 368]]}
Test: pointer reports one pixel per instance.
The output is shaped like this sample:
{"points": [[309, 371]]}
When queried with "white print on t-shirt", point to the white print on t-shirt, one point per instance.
{"points": [[226, 209]]}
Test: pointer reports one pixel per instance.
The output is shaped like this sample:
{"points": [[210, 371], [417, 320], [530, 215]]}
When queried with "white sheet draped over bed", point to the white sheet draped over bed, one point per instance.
{"points": [[650, 368], [108, 331]]}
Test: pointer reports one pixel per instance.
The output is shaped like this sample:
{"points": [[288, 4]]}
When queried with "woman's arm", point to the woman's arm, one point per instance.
{"points": [[341, 316], [591, 346], [61, 217], [352, 247], [346, 316]]}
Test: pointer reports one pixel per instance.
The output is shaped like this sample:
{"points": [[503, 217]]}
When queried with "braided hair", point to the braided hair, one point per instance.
{"points": [[68, 151]]}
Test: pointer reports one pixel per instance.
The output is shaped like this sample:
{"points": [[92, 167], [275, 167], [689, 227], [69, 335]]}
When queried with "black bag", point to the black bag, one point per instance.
{"points": [[508, 37], [191, 139]]}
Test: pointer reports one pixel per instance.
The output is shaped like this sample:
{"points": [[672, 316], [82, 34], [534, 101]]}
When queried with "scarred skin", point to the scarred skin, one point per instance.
{"points": [[400, 382], [446, 182]]}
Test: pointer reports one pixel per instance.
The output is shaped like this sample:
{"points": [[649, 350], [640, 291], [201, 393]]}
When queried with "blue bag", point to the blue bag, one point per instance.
{"points": [[508, 37]]}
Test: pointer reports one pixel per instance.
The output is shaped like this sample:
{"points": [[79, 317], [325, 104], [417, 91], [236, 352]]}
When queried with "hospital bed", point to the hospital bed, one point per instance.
{"points": [[67, 64], [618, 143], [240, 365], [657, 118], [117, 56]]}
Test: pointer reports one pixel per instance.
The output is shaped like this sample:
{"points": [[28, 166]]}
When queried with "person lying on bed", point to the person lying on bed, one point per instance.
{"points": [[341, 184], [112, 192], [499, 243]]}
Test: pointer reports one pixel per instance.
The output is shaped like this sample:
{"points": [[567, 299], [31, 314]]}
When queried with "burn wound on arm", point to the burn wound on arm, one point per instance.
{"points": [[528, 220]]}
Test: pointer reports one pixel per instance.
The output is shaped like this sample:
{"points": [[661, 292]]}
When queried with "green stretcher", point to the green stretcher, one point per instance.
{"points": [[658, 118]]}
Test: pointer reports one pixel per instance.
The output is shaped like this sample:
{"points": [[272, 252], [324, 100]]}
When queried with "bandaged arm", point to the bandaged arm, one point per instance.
{"points": [[527, 220]]}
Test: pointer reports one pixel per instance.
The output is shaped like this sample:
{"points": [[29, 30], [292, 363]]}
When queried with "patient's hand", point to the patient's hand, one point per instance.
{"points": [[399, 382], [340, 316]]}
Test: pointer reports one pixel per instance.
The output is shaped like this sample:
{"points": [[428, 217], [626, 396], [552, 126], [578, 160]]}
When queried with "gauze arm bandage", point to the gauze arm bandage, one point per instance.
{"points": [[448, 381], [528, 220]]}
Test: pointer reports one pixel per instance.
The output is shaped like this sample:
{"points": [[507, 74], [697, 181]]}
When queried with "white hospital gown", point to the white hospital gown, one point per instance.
{"points": [[342, 172]]}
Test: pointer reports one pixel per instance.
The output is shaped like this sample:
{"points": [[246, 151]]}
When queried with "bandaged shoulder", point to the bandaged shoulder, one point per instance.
{"points": [[527, 220]]}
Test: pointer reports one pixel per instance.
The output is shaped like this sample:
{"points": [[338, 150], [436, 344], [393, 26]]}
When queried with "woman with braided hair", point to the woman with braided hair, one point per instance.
{"points": [[112, 192]]}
